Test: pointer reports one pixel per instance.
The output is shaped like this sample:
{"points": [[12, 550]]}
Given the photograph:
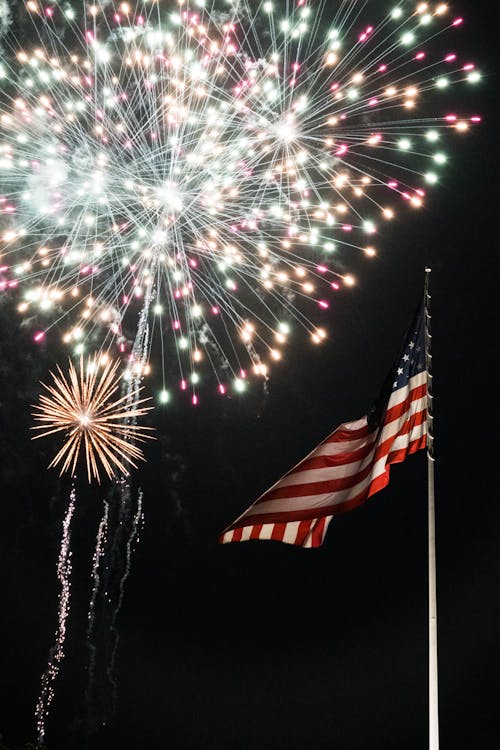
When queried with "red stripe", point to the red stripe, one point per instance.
{"points": [[396, 457], [317, 535], [415, 420], [396, 411], [238, 533], [305, 514], [342, 434], [315, 488], [302, 532], [257, 528], [379, 483], [278, 532], [330, 461]]}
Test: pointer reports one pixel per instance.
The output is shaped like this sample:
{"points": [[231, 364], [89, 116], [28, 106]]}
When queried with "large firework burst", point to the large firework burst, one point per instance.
{"points": [[85, 408], [216, 166]]}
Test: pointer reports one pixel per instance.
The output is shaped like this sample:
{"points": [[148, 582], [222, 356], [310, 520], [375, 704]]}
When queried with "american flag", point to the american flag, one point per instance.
{"points": [[351, 464]]}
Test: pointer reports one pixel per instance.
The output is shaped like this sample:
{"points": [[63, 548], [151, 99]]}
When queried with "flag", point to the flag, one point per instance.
{"points": [[351, 464]]}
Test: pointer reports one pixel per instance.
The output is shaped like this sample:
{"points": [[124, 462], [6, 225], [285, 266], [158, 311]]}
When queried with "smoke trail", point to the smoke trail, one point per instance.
{"points": [[135, 527], [118, 532], [56, 653], [5, 17]]}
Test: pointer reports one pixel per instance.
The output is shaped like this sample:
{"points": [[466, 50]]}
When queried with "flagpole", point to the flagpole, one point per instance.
{"points": [[433, 658]]}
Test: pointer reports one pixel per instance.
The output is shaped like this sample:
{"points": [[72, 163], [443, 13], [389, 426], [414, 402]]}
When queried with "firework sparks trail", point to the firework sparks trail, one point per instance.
{"points": [[228, 160], [96, 580], [56, 653]]}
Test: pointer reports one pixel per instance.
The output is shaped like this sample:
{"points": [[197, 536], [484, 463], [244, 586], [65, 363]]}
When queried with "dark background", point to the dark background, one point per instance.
{"points": [[262, 645]]}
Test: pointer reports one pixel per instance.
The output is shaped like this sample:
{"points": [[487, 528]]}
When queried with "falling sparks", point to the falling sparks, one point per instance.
{"points": [[93, 420], [101, 539], [56, 654], [211, 160]]}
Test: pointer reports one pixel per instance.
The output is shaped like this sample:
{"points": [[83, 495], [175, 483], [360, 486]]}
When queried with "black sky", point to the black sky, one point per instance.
{"points": [[262, 645]]}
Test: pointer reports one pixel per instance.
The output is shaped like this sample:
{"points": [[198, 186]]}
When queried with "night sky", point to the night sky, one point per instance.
{"points": [[262, 645]]}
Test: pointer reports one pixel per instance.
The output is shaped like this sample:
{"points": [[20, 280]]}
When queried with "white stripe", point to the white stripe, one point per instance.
{"points": [[339, 446], [331, 447], [399, 443], [415, 406], [335, 449], [308, 502], [246, 531], [308, 542], [327, 473], [290, 536], [418, 431], [266, 531], [415, 382], [393, 429], [354, 426], [404, 440], [327, 524], [418, 404]]}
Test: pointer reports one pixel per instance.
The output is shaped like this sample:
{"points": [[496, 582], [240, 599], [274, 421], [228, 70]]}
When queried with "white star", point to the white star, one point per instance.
{"points": [[406, 358], [400, 370], [412, 344]]}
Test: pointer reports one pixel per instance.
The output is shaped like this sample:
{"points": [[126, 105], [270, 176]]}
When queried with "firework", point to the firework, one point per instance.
{"points": [[217, 168], [94, 421]]}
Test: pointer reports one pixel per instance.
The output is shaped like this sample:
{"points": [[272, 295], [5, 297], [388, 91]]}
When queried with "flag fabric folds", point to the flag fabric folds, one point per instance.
{"points": [[351, 464]]}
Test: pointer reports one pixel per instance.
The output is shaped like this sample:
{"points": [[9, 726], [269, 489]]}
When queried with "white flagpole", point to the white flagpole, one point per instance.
{"points": [[433, 658]]}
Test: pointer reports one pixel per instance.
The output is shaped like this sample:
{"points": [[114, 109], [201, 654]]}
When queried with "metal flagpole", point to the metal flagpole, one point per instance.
{"points": [[433, 659]]}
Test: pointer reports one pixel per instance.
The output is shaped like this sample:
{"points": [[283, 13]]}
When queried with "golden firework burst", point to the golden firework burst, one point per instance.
{"points": [[84, 406]]}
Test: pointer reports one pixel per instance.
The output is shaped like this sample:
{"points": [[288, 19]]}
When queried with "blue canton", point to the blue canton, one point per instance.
{"points": [[413, 359]]}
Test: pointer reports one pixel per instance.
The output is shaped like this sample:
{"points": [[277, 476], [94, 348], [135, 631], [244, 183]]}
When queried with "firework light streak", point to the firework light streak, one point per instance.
{"points": [[94, 422], [57, 651], [225, 162], [96, 581]]}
